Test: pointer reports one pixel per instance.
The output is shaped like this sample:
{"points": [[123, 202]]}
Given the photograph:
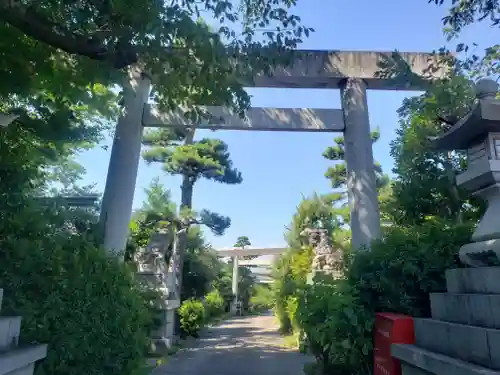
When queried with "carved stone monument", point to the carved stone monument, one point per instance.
{"points": [[463, 335], [327, 260], [154, 273]]}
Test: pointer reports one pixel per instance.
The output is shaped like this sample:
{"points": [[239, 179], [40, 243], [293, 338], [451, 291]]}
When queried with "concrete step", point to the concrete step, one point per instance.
{"points": [[476, 345], [416, 361], [481, 280], [26, 370], [10, 327], [17, 360], [481, 310]]}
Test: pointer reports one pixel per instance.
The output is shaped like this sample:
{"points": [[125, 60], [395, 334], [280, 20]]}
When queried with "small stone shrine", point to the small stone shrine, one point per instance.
{"points": [[462, 337], [326, 260], [153, 271]]}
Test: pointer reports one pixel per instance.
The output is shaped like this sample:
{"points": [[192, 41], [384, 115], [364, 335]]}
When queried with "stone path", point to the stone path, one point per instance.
{"points": [[247, 345]]}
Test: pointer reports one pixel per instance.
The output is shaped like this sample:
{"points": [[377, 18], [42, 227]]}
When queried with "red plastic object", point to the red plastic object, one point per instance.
{"points": [[390, 329]]}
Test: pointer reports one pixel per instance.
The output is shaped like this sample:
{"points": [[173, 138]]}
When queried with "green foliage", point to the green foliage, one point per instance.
{"points": [[192, 316], [242, 242], [337, 174], [417, 257], [425, 179], [71, 295], [73, 46], [223, 284], [462, 14], [336, 325], [336, 316], [246, 284], [179, 154], [214, 304], [201, 265], [290, 271], [317, 211], [262, 298]]}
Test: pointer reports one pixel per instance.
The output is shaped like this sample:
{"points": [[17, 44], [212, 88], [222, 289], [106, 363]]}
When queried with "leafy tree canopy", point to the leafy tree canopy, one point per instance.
{"points": [[425, 184], [242, 242], [91, 41], [465, 13]]}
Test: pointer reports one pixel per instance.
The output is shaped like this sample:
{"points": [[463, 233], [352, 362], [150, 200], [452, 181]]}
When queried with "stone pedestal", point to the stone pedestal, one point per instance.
{"points": [[319, 274], [483, 179], [154, 273], [236, 308], [463, 335]]}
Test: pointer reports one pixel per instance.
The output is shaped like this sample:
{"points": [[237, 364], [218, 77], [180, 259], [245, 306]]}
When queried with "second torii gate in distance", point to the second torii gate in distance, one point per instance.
{"points": [[351, 72], [236, 254]]}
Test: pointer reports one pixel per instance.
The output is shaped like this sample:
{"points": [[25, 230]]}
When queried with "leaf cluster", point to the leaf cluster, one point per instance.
{"points": [[336, 316], [53, 273]]}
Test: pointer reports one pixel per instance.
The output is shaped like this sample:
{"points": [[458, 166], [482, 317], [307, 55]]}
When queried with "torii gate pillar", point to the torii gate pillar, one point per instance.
{"points": [[117, 201], [235, 279], [361, 181]]}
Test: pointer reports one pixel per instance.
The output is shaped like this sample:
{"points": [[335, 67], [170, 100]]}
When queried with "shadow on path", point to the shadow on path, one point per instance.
{"points": [[248, 345]]}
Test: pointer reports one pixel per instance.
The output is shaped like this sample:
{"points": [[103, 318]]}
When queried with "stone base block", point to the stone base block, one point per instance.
{"points": [[480, 254], [482, 310], [162, 344], [412, 357], [20, 360], [480, 280], [476, 345], [164, 336], [10, 329]]}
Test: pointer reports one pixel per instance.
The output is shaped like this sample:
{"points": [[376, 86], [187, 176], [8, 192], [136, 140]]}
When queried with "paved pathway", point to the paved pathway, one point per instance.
{"points": [[247, 345]]}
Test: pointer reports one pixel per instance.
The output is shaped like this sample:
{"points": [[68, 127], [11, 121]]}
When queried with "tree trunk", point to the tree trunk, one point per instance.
{"points": [[181, 235]]}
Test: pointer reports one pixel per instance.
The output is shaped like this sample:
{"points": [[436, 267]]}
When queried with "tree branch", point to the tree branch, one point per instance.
{"points": [[33, 24]]}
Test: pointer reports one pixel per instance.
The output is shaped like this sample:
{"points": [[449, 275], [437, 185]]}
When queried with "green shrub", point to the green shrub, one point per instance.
{"points": [[192, 317], [397, 275], [262, 299], [71, 295], [292, 305], [335, 323], [214, 304], [401, 270]]}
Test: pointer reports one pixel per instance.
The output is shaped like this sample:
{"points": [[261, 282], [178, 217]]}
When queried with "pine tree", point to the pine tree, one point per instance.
{"points": [[242, 242], [337, 174], [200, 265], [180, 154]]}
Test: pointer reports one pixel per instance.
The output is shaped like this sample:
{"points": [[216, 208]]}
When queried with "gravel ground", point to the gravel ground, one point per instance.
{"points": [[247, 345]]}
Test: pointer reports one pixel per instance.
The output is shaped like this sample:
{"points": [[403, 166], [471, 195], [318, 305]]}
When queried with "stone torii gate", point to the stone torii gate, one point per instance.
{"points": [[351, 72], [236, 254]]}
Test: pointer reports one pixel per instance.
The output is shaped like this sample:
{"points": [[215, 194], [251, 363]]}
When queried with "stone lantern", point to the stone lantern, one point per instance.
{"points": [[479, 134]]}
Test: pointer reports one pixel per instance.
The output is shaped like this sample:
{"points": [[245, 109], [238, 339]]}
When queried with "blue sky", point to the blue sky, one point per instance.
{"points": [[279, 167]]}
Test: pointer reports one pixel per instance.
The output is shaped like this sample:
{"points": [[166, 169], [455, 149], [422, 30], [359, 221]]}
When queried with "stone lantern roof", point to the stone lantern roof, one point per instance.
{"points": [[475, 126]]}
